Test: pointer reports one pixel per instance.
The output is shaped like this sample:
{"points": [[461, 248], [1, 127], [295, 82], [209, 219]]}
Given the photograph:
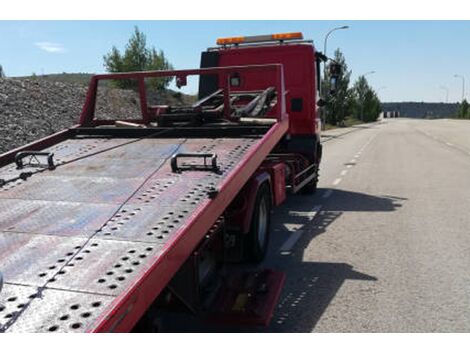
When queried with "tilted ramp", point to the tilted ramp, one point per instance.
{"points": [[74, 239]]}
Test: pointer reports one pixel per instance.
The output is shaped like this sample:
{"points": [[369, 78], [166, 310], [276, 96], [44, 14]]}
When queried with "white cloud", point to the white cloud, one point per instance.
{"points": [[50, 47]]}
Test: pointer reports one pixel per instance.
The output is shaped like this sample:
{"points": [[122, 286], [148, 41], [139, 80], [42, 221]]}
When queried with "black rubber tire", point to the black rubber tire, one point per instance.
{"points": [[311, 187], [256, 247]]}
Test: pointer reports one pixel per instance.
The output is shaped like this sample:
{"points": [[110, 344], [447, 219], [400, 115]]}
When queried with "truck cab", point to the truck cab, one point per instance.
{"points": [[301, 73]]}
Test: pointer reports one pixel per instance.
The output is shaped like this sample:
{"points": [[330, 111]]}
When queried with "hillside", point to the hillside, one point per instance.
{"points": [[34, 108]]}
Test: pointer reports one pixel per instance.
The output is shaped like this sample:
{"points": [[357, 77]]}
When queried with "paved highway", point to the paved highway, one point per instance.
{"points": [[384, 245]]}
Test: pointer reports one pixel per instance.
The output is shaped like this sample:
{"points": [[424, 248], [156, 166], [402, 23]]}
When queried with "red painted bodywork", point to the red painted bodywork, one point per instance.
{"points": [[126, 309], [278, 176], [241, 209], [266, 71], [130, 306], [298, 60], [273, 76]]}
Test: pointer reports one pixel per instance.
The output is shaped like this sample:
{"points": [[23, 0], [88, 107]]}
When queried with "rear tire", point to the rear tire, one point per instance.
{"points": [[257, 239], [311, 187]]}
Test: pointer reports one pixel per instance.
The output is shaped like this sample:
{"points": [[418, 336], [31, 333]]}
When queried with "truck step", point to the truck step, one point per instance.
{"points": [[247, 298]]}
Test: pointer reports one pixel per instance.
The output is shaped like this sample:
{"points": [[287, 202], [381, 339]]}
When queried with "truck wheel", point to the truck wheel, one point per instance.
{"points": [[311, 187], [257, 239]]}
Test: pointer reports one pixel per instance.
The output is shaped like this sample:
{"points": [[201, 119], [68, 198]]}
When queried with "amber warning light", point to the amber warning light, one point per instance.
{"points": [[260, 38]]}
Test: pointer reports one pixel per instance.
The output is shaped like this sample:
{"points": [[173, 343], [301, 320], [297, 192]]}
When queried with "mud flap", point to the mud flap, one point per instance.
{"points": [[247, 298]]}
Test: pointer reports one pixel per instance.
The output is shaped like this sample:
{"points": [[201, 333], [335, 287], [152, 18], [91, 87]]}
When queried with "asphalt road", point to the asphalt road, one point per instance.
{"points": [[384, 245]]}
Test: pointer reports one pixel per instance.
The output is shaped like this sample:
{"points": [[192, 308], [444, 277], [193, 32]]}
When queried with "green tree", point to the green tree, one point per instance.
{"points": [[464, 111], [2, 73], [137, 57], [339, 105], [366, 102]]}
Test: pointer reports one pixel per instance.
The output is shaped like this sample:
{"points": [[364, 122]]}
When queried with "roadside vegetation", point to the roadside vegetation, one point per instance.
{"points": [[138, 57], [463, 111], [350, 105]]}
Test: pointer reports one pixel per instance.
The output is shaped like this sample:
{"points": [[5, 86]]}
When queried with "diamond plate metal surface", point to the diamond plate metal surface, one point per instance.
{"points": [[57, 311], [34, 259], [145, 223], [105, 267], [54, 218], [73, 189], [72, 232], [13, 299], [75, 148], [145, 149], [97, 166]]}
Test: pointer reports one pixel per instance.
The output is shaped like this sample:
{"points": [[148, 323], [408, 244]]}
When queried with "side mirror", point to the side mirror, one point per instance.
{"points": [[335, 69], [333, 85], [335, 73], [321, 103]]}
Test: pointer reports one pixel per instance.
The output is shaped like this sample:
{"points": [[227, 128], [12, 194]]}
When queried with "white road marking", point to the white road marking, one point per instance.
{"points": [[292, 227], [327, 194], [353, 160], [357, 155], [337, 181], [449, 144], [306, 214], [286, 248], [344, 172], [349, 166]]}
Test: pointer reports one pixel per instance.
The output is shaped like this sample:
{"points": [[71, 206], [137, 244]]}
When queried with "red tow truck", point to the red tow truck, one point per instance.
{"points": [[108, 223]]}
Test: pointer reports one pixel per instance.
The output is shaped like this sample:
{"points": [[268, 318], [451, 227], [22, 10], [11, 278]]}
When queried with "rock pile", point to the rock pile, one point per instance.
{"points": [[33, 108]]}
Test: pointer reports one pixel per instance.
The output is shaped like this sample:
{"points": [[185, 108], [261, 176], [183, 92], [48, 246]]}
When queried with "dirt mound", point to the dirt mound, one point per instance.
{"points": [[34, 108]]}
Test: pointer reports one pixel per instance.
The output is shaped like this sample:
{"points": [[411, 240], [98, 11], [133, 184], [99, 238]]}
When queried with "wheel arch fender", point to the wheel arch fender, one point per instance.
{"points": [[243, 205]]}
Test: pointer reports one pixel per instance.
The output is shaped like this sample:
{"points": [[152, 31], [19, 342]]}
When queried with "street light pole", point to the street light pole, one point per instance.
{"points": [[323, 113], [447, 92], [463, 85], [364, 97], [379, 89], [328, 34]]}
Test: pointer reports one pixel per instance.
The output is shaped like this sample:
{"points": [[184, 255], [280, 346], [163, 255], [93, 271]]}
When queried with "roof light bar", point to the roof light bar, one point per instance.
{"points": [[260, 38]]}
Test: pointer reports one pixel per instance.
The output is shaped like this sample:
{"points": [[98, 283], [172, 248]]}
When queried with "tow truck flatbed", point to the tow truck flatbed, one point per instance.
{"points": [[105, 217], [83, 240]]}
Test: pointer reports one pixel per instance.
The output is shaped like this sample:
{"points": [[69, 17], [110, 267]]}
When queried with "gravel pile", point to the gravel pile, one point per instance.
{"points": [[32, 109]]}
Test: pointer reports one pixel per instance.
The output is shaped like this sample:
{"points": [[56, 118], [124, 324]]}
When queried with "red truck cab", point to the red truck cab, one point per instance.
{"points": [[301, 68]]}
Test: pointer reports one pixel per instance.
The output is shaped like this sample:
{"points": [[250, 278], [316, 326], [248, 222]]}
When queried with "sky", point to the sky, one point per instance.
{"points": [[412, 60]]}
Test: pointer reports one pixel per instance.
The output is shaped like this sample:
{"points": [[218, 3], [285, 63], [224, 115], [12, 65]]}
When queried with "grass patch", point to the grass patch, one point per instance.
{"points": [[348, 122]]}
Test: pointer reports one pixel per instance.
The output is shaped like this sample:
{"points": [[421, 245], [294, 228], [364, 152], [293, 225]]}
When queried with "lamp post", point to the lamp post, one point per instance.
{"points": [[463, 85], [364, 97], [323, 113], [379, 89], [447, 92], [328, 34]]}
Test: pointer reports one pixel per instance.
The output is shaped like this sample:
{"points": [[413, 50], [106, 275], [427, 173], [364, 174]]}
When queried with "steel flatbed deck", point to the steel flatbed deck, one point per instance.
{"points": [[89, 245]]}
